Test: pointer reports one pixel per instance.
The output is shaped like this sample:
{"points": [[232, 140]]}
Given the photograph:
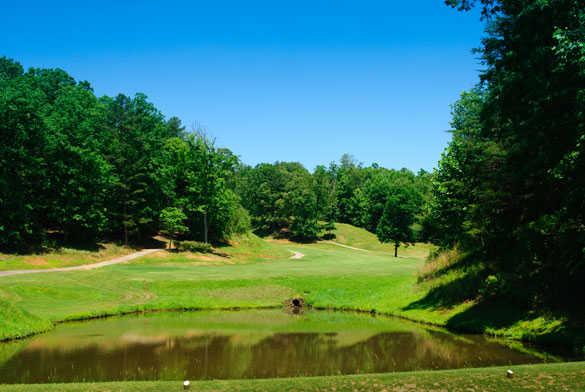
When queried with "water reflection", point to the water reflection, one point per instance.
{"points": [[246, 344]]}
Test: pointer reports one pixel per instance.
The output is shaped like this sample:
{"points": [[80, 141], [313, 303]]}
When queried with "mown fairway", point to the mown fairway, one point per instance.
{"points": [[259, 274]]}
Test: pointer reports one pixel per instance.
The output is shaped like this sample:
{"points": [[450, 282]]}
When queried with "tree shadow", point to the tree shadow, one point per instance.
{"points": [[447, 295], [56, 240], [148, 243], [486, 315], [460, 264], [566, 339]]}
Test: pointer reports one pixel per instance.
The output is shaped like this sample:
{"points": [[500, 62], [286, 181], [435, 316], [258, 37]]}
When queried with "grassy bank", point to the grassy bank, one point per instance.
{"points": [[254, 276], [63, 257], [546, 377], [259, 273]]}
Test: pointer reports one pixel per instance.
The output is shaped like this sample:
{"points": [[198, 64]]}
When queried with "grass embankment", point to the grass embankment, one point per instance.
{"points": [[359, 238], [260, 273], [63, 257], [14, 321], [546, 377]]}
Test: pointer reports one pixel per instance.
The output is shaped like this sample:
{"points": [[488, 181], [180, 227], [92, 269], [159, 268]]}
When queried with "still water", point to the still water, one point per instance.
{"points": [[243, 344]]}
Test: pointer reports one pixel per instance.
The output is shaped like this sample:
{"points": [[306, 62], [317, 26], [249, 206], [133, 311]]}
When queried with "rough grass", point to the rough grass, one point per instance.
{"points": [[63, 257], [544, 377], [440, 264]]}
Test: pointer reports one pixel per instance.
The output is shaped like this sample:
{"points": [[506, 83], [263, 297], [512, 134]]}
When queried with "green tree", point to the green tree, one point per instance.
{"points": [[172, 223], [399, 215], [324, 188], [23, 173], [523, 205], [136, 133], [281, 200]]}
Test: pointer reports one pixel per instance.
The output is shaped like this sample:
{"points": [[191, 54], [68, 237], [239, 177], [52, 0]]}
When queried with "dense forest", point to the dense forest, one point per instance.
{"points": [[76, 168], [508, 193]]}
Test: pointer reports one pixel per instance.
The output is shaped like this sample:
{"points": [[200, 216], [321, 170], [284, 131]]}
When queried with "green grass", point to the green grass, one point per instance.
{"points": [[260, 273], [546, 377], [16, 322], [63, 257], [359, 238]]}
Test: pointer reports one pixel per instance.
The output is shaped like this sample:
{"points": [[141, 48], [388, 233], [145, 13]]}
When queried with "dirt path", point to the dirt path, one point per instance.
{"points": [[84, 267], [296, 255], [345, 246]]}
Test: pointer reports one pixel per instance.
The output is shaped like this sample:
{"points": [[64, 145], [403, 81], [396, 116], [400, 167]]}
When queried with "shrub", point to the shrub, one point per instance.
{"points": [[239, 222], [493, 286], [193, 246]]}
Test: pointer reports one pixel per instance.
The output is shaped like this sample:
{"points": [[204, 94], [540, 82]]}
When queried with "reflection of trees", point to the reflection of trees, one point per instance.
{"points": [[276, 355]]}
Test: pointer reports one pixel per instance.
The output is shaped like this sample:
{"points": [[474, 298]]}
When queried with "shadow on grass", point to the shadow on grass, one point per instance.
{"points": [[565, 339], [561, 335], [447, 295], [487, 315], [462, 262]]}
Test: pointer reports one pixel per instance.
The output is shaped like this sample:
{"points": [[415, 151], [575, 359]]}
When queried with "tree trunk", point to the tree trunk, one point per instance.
{"points": [[395, 250], [125, 225], [205, 229]]}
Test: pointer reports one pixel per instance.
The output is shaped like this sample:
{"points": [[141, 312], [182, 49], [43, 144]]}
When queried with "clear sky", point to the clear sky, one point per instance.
{"points": [[272, 80]]}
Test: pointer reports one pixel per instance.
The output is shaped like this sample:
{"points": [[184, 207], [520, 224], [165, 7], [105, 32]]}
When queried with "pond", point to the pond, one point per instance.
{"points": [[243, 344]]}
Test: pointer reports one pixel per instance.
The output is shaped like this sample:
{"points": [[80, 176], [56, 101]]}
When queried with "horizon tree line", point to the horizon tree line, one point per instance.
{"points": [[77, 168]]}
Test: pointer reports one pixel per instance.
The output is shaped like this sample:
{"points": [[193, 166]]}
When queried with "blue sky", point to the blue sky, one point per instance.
{"points": [[292, 81]]}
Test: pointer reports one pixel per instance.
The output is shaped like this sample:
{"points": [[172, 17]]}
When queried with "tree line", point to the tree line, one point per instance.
{"points": [[510, 187], [80, 168], [284, 198], [77, 168]]}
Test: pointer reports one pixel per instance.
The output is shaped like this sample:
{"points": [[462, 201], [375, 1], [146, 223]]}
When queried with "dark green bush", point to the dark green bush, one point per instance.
{"points": [[193, 246]]}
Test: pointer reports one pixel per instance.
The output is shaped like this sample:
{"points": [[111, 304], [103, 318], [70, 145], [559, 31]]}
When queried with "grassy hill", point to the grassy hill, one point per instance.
{"points": [[349, 235]]}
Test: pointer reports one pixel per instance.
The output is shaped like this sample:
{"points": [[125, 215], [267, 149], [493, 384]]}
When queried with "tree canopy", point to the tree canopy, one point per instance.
{"points": [[86, 167], [510, 185]]}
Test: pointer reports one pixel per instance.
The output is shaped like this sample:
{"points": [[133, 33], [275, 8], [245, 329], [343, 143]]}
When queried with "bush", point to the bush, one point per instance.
{"points": [[493, 286], [193, 246], [239, 222], [304, 230]]}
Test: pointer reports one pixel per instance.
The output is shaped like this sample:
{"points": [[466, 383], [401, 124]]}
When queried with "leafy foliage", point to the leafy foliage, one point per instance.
{"points": [[285, 199], [510, 186], [395, 224], [194, 246], [82, 167], [172, 222]]}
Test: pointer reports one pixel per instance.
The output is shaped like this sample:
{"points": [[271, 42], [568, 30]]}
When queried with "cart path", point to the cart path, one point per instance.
{"points": [[344, 246], [85, 267]]}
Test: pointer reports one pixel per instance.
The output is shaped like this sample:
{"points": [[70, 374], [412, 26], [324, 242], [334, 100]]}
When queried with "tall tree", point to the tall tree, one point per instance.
{"points": [[525, 217], [399, 215]]}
